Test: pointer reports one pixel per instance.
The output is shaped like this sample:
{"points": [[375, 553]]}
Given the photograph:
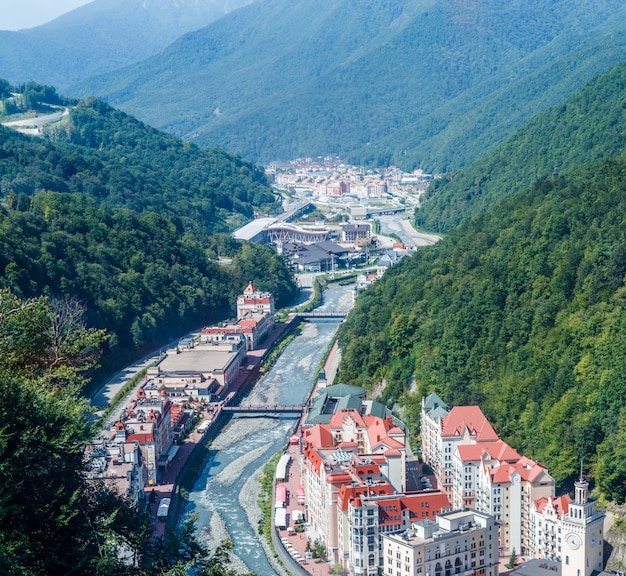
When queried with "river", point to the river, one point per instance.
{"points": [[403, 228], [225, 496]]}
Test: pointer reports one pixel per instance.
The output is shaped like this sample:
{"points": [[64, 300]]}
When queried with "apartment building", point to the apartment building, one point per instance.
{"points": [[253, 300], [252, 328], [462, 541], [118, 465], [365, 518], [546, 523], [353, 232], [351, 449], [468, 460], [433, 410], [461, 425], [508, 491], [478, 470]]}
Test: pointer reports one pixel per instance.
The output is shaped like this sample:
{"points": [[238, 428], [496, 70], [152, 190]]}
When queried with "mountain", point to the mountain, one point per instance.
{"points": [[521, 310], [417, 82], [102, 36], [129, 221], [522, 307], [588, 127]]}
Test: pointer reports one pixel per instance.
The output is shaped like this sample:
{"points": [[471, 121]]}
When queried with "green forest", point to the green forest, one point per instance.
{"points": [[588, 127], [412, 83], [522, 311], [130, 222]]}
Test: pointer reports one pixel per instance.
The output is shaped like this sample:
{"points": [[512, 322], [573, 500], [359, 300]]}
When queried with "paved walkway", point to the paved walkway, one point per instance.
{"points": [[295, 543], [168, 479]]}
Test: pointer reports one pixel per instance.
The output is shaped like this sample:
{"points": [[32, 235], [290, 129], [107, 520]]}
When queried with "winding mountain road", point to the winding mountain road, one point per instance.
{"points": [[38, 121]]}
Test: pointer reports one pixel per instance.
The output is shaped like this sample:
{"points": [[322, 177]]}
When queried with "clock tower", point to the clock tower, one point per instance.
{"points": [[583, 536]]}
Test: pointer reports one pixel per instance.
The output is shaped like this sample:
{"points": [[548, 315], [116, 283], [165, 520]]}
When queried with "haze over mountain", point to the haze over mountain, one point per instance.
{"points": [[31, 13], [101, 36], [429, 83]]}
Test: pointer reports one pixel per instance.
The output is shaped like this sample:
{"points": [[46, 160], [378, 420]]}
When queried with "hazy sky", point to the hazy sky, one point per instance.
{"points": [[17, 14]]}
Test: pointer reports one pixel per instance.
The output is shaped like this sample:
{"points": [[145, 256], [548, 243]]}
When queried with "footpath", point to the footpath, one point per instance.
{"points": [[169, 482], [294, 547]]}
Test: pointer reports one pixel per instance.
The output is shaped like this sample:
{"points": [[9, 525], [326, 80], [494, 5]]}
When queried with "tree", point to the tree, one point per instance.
{"points": [[512, 560], [52, 519]]}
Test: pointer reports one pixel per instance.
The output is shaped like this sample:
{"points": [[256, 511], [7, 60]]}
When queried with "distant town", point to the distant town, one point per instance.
{"points": [[326, 178]]}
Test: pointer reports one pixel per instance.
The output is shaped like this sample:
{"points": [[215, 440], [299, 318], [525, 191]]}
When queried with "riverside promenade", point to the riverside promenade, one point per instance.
{"points": [[182, 464], [290, 545]]}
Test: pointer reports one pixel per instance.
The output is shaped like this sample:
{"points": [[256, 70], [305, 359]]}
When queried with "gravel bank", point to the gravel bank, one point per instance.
{"points": [[229, 475], [215, 535]]}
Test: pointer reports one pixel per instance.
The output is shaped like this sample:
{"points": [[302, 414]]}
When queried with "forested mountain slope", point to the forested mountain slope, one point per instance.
{"points": [[587, 127], [124, 219], [417, 82], [521, 310], [102, 35]]}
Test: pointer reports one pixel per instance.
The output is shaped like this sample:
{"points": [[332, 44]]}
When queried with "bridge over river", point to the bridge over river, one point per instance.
{"points": [[275, 409], [329, 314]]}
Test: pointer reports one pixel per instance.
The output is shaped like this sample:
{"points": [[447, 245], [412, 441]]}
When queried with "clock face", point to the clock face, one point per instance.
{"points": [[573, 541]]}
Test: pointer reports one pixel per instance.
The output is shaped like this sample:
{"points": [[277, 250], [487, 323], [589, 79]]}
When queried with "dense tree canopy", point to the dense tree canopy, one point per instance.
{"points": [[520, 310], [52, 520], [130, 222], [588, 127]]}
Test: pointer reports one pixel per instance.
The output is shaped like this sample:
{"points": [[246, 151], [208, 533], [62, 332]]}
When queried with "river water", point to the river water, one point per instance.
{"points": [[225, 496]]}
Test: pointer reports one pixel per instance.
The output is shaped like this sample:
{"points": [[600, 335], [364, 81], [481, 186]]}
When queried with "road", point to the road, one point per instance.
{"points": [[38, 121]]}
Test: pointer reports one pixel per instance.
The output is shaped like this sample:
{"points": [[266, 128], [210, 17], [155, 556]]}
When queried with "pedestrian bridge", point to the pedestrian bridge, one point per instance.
{"points": [[273, 409], [330, 314]]}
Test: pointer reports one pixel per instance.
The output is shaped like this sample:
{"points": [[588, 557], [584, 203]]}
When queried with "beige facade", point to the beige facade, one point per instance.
{"points": [[459, 542]]}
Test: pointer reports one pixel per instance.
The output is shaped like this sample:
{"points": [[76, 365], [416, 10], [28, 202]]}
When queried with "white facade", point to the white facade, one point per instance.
{"points": [[583, 536], [478, 470], [546, 522], [253, 300], [459, 542]]}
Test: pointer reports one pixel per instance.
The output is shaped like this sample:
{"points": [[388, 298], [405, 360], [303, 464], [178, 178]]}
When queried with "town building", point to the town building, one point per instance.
{"points": [[251, 329], [118, 465], [180, 386], [508, 491], [476, 469], [569, 532], [255, 320], [202, 361], [546, 524], [318, 257], [461, 425], [457, 542], [253, 300], [353, 448], [364, 518], [583, 538], [148, 422], [352, 232]]}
